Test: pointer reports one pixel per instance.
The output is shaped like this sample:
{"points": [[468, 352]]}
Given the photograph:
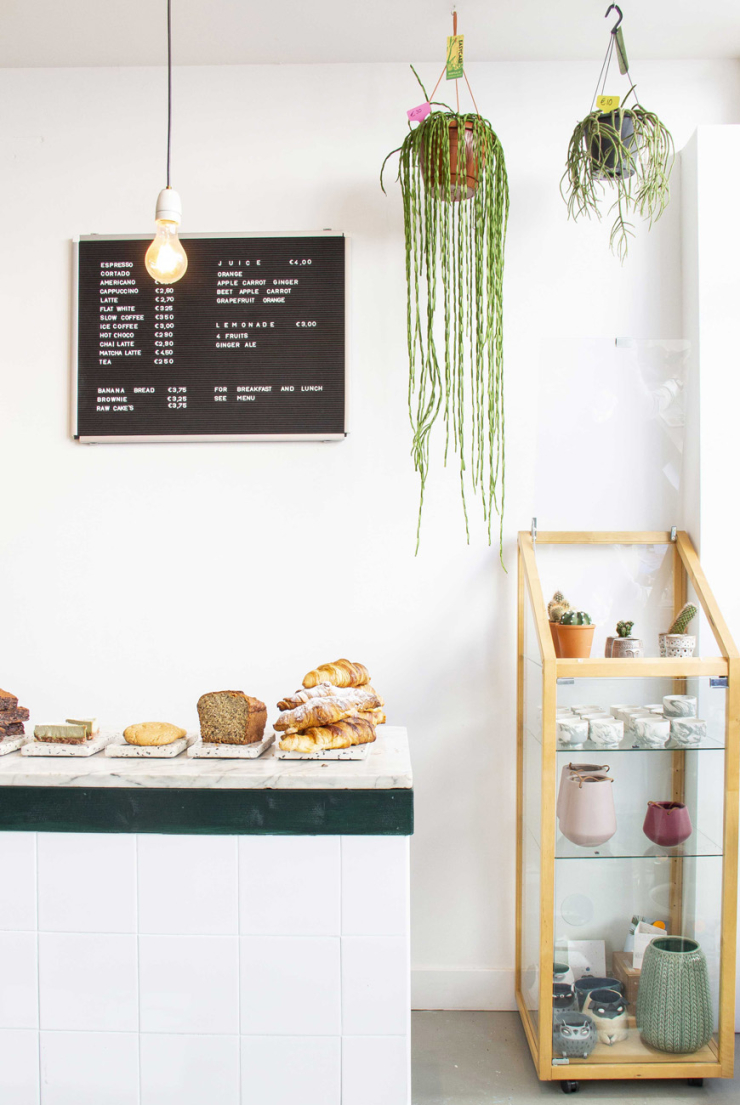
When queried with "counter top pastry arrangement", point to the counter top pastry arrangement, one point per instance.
{"points": [[335, 708], [231, 717]]}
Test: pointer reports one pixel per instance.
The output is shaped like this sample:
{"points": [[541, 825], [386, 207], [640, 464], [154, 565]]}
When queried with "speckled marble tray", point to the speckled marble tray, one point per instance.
{"points": [[89, 748], [209, 751], [120, 748], [12, 744]]}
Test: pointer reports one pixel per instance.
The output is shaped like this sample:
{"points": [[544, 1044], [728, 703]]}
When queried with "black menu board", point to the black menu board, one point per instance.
{"points": [[249, 344]]}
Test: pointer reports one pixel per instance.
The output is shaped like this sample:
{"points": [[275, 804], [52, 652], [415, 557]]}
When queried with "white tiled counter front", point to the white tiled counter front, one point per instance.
{"points": [[178, 969]]}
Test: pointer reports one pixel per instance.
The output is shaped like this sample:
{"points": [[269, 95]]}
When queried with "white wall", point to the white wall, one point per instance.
{"points": [[136, 577]]}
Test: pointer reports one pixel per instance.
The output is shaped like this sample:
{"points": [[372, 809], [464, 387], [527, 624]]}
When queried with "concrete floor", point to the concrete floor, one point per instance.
{"points": [[483, 1059]]}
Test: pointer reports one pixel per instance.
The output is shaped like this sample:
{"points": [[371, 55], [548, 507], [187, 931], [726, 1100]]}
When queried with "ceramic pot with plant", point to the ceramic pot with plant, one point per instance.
{"points": [[667, 824], [677, 642], [556, 607], [624, 644], [619, 156], [455, 193], [575, 634]]}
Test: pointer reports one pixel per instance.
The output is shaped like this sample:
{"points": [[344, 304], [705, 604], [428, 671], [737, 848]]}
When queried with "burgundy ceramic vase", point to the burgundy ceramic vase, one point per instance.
{"points": [[667, 823]]}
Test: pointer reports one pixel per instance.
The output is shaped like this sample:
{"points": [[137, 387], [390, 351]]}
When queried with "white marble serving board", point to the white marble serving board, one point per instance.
{"points": [[121, 748], [207, 751], [12, 744], [354, 752], [89, 748]]}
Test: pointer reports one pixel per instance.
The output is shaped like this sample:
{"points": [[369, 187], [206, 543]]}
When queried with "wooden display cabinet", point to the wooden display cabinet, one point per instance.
{"points": [[567, 893]]}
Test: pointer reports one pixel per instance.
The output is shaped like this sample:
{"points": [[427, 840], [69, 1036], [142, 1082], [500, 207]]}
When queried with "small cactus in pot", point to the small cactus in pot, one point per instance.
{"points": [[624, 645], [556, 607], [677, 642], [575, 634]]}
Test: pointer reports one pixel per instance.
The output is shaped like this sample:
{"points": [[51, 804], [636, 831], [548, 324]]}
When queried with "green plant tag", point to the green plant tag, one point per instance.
{"points": [[455, 69], [621, 52]]}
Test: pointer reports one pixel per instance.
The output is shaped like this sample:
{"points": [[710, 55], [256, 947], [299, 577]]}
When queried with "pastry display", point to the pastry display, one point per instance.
{"points": [[12, 716], [152, 733], [231, 717], [60, 734], [327, 710], [342, 673], [343, 734], [335, 709]]}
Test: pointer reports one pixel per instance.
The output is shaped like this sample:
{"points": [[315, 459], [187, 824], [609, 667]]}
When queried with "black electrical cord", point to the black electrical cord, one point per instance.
{"points": [[169, 86]]}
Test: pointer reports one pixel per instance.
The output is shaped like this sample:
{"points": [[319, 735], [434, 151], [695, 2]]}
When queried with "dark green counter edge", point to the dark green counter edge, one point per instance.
{"points": [[215, 812]]}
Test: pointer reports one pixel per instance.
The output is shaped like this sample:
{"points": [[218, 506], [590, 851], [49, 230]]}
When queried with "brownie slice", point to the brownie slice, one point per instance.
{"points": [[12, 729], [8, 701], [19, 714], [231, 717]]}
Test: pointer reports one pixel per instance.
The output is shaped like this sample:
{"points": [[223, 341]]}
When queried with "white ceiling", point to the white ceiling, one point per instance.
{"points": [[232, 32]]}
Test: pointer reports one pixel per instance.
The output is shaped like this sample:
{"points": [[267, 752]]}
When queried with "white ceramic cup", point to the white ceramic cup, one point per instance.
{"points": [[651, 732], [687, 732], [679, 705], [572, 732], [606, 732]]}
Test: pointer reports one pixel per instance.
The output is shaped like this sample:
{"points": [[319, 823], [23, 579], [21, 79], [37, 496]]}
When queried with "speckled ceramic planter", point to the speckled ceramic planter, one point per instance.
{"points": [[680, 645], [674, 1008], [627, 648]]}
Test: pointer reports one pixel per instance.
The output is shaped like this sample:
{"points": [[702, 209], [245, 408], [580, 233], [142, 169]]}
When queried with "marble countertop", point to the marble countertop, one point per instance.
{"points": [[387, 767]]}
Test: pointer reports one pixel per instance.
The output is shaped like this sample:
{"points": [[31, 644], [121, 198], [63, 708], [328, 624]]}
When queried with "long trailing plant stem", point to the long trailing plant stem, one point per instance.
{"points": [[454, 260]]}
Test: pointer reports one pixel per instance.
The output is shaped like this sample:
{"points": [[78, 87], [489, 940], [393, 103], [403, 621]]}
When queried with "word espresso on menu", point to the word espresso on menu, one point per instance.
{"points": [[251, 342]]}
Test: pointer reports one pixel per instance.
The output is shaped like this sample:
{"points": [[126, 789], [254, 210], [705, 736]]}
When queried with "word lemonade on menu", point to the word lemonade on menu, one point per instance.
{"points": [[249, 344]]}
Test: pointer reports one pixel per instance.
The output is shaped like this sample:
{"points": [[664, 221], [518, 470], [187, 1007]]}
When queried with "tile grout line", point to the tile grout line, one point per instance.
{"points": [[38, 963], [138, 962]]}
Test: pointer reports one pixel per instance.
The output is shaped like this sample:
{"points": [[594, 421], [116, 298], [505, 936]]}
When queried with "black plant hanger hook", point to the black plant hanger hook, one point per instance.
{"points": [[615, 8]]}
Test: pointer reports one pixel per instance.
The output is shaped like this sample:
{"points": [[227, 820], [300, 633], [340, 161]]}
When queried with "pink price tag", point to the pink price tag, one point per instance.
{"points": [[418, 114]]}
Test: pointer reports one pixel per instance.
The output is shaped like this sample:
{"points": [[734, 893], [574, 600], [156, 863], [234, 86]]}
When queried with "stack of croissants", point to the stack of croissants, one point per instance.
{"points": [[335, 708]]}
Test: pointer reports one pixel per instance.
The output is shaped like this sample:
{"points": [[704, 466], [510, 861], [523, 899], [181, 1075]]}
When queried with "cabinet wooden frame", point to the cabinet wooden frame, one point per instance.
{"points": [[717, 1058]]}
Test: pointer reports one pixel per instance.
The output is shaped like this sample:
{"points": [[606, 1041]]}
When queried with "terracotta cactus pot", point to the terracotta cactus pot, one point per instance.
{"points": [[554, 635], [575, 641], [462, 185]]}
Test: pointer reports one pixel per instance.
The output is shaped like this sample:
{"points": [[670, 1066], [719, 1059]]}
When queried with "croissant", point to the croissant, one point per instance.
{"points": [[343, 734], [321, 690], [342, 673], [327, 710], [375, 717]]}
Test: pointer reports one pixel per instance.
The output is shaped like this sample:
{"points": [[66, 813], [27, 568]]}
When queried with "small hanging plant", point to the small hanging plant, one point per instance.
{"points": [[455, 206], [618, 151]]}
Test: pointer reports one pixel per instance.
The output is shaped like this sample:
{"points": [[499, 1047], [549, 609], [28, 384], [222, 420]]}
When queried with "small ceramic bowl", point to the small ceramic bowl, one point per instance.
{"points": [[688, 732], [651, 732], [679, 705], [586, 709], [606, 732], [572, 732]]}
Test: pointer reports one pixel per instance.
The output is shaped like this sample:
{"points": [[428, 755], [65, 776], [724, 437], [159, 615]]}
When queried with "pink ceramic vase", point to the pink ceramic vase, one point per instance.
{"points": [[575, 769], [667, 823], [589, 817]]}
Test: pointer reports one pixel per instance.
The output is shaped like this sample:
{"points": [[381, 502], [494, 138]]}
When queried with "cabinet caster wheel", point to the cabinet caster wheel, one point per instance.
{"points": [[695, 1081], [570, 1087]]}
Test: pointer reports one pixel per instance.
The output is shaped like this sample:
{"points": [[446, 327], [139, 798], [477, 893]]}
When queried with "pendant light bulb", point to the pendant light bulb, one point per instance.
{"points": [[166, 260]]}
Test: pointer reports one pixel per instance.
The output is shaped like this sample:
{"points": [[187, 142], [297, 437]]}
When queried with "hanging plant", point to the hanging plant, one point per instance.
{"points": [[618, 151], [455, 206]]}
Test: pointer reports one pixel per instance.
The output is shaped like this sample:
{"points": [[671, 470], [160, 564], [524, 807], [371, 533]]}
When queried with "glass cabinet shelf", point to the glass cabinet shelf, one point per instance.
{"points": [[577, 917]]}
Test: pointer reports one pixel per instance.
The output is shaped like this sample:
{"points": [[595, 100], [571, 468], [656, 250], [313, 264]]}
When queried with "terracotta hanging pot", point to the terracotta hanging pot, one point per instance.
{"points": [[464, 166], [588, 818], [667, 823], [575, 641]]}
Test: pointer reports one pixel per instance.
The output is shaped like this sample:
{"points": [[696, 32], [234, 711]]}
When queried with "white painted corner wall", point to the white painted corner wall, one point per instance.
{"points": [[711, 247], [137, 577]]}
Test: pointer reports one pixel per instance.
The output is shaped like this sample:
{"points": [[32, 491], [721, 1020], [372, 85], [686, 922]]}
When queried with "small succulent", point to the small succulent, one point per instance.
{"points": [[685, 615], [624, 629], [557, 606], [575, 617]]}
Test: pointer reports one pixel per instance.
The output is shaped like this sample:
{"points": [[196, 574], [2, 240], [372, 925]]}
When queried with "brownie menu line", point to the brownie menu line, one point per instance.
{"points": [[251, 341]]}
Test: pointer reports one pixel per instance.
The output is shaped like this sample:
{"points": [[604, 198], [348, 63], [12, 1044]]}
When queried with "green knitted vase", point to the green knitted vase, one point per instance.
{"points": [[674, 1009]]}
